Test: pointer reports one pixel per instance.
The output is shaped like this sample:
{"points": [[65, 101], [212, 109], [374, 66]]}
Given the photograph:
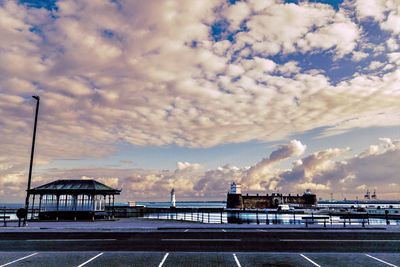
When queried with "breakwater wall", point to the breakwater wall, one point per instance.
{"points": [[138, 211]]}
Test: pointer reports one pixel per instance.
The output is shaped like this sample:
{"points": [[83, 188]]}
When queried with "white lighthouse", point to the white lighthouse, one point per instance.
{"points": [[173, 204], [235, 188]]}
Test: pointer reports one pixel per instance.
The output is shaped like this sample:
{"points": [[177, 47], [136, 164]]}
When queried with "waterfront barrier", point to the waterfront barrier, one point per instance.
{"points": [[219, 215], [8, 216], [223, 216]]}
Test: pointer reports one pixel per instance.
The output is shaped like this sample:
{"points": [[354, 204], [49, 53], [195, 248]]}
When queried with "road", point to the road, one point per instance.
{"points": [[201, 247], [254, 240]]}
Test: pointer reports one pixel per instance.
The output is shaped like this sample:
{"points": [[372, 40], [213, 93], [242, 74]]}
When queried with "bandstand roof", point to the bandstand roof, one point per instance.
{"points": [[75, 187]]}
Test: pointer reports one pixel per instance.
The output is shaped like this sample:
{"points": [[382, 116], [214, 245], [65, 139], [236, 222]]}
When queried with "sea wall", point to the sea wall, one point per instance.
{"points": [[238, 201]]}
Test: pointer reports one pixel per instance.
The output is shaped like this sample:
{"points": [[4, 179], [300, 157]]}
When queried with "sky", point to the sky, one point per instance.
{"points": [[280, 96]]}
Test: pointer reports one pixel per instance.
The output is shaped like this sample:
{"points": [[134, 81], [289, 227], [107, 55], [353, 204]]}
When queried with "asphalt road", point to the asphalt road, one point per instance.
{"points": [[198, 259], [217, 240]]}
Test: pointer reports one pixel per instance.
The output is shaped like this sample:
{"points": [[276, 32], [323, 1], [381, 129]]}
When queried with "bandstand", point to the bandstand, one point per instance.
{"points": [[73, 200]]}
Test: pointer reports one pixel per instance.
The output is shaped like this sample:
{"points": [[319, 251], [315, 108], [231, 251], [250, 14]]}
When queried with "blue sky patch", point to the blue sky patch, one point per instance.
{"points": [[335, 3], [47, 4]]}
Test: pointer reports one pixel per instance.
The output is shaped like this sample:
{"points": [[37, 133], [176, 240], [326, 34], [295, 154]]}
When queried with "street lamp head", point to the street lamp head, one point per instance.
{"points": [[36, 97]]}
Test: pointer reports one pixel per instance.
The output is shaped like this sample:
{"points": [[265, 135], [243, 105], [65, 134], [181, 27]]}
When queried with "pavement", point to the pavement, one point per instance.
{"points": [[138, 242], [124, 224], [190, 259]]}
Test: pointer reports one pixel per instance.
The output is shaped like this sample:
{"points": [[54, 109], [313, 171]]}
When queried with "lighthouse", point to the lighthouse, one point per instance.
{"points": [[234, 197], [173, 204]]}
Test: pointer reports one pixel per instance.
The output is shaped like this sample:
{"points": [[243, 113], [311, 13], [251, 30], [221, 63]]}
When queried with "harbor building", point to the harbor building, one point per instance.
{"points": [[235, 199], [74, 200]]}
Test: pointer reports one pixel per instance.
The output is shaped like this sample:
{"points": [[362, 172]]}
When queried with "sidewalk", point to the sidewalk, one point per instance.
{"points": [[135, 224]]}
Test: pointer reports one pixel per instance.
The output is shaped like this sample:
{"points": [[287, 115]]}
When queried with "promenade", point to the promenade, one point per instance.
{"points": [[123, 224], [138, 242]]}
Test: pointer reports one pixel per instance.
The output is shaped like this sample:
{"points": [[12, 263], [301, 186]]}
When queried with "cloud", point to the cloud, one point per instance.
{"points": [[262, 175], [385, 12], [158, 73], [294, 148], [325, 171]]}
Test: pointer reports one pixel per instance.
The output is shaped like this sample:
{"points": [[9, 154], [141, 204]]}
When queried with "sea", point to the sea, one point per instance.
{"points": [[182, 204], [150, 204]]}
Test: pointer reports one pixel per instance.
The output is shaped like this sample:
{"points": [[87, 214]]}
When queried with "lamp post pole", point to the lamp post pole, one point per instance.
{"points": [[31, 162]]}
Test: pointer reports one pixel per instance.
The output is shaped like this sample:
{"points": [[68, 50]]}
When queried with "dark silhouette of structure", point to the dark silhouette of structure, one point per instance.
{"points": [[74, 200], [235, 200]]}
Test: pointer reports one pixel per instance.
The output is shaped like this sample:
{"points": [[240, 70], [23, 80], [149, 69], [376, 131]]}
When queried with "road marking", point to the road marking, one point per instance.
{"points": [[337, 240], [163, 260], [89, 260], [186, 230], [261, 230], [381, 260], [20, 259], [201, 240], [223, 230], [68, 240], [236, 260], [313, 262]]}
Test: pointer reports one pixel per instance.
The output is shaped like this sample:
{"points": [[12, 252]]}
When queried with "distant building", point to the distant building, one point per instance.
{"points": [[374, 196], [367, 195], [74, 199], [235, 199]]}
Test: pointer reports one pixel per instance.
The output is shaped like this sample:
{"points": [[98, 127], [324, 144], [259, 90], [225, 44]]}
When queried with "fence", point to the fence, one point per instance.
{"points": [[270, 217], [221, 216]]}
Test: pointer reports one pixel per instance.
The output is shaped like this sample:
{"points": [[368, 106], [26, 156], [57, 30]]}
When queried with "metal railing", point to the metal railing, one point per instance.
{"points": [[266, 218]]}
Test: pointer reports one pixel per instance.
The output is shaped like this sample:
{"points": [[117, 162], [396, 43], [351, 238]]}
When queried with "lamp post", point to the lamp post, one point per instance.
{"points": [[31, 162]]}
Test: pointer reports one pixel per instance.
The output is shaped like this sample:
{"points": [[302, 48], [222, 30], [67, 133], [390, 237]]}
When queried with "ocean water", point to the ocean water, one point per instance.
{"points": [[150, 204], [183, 204]]}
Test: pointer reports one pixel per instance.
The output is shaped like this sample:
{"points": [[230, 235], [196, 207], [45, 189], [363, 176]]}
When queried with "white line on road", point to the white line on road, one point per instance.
{"points": [[313, 262], [86, 262], [186, 230], [68, 240], [201, 240], [381, 260], [262, 230], [163, 260], [223, 230], [11, 262], [236, 260]]}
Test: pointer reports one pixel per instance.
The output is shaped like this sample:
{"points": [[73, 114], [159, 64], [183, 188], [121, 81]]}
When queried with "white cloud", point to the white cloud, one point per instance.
{"points": [[392, 44], [393, 22], [385, 12], [362, 187], [262, 175], [374, 65], [325, 171], [373, 8], [150, 73], [341, 35], [359, 55]]}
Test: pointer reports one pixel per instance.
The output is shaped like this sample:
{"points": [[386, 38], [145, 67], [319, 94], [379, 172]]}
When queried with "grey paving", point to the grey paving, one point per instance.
{"points": [[127, 259], [393, 258], [343, 259], [124, 224], [51, 259], [194, 259], [197, 259], [272, 259], [11, 256]]}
